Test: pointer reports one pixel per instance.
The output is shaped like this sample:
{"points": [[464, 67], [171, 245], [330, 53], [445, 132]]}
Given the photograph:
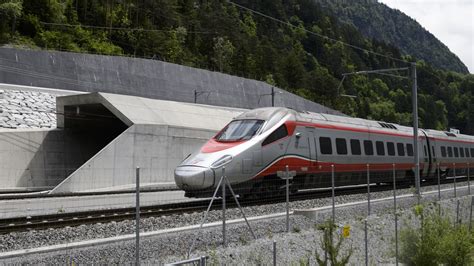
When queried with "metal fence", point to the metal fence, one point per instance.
{"points": [[281, 190]]}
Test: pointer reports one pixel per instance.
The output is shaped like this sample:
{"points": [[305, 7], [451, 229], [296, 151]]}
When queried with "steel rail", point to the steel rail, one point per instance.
{"points": [[61, 220]]}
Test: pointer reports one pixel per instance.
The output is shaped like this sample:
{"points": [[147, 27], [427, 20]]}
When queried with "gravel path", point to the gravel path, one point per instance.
{"points": [[300, 244]]}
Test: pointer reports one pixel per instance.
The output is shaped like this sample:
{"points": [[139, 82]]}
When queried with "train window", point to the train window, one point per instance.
{"points": [[401, 149], [391, 148], [279, 133], [355, 147], [325, 145], [239, 130], [467, 152], [461, 152], [380, 148], [410, 149], [433, 151], [443, 151], [368, 147], [456, 152], [472, 152], [341, 146], [450, 151]]}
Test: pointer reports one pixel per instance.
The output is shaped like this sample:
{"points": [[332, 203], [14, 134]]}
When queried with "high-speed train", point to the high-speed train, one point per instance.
{"points": [[260, 142]]}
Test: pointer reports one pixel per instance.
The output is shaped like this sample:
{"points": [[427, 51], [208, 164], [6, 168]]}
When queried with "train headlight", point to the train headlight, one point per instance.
{"points": [[222, 161]]}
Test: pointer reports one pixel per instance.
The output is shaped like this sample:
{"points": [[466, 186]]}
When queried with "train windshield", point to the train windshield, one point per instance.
{"points": [[239, 130]]}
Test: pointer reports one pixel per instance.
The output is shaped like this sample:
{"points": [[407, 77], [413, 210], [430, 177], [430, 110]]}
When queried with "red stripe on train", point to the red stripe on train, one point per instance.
{"points": [[213, 146], [301, 165], [456, 165], [366, 130], [346, 128]]}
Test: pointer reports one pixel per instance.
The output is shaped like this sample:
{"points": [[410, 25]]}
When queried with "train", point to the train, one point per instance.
{"points": [[259, 143]]}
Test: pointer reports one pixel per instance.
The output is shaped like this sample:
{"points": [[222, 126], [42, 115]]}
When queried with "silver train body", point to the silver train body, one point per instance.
{"points": [[260, 142]]}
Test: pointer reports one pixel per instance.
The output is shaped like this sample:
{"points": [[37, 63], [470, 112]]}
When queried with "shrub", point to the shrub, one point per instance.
{"points": [[436, 241]]}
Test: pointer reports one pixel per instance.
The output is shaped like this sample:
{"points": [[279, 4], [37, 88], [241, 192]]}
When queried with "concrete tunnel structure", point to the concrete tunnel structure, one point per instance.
{"points": [[100, 140], [102, 136], [130, 131]]}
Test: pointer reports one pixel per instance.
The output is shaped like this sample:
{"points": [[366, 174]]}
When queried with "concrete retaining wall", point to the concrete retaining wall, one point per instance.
{"points": [[40, 158], [28, 107], [157, 149], [140, 77]]}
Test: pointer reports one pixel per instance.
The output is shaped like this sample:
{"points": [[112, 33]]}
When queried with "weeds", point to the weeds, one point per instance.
{"points": [[296, 230], [304, 261], [437, 241], [213, 256], [243, 240], [332, 250]]}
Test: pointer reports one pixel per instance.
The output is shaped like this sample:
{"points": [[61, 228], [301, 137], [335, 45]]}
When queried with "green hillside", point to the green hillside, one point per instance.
{"points": [[378, 21], [220, 36]]}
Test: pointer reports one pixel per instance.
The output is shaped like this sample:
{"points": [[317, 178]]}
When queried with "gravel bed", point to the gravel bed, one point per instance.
{"points": [[300, 245], [31, 239]]}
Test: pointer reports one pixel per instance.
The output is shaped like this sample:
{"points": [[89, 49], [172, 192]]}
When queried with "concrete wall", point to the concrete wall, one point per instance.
{"points": [[156, 149], [140, 77], [40, 158]]}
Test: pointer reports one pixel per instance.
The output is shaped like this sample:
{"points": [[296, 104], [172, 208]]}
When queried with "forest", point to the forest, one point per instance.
{"points": [[296, 45], [376, 20]]}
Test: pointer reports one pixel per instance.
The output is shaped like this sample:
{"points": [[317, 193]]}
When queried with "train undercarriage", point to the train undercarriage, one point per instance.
{"points": [[273, 186]]}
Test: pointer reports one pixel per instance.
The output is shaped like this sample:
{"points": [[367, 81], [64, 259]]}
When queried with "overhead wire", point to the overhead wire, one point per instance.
{"points": [[393, 76], [91, 84], [318, 34], [76, 82], [214, 32], [39, 75], [68, 81], [121, 28], [72, 114], [84, 116], [382, 72]]}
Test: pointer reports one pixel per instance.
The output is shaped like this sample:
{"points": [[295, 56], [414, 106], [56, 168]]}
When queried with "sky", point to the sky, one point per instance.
{"points": [[451, 21]]}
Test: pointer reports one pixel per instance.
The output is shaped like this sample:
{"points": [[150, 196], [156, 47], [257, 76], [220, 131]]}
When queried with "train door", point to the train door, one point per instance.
{"points": [[425, 155], [302, 148], [312, 146], [434, 156]]}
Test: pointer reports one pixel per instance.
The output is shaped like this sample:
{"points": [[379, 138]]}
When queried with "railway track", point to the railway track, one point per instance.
{"points": [[89, 217], [61, 220], [44, 194]]}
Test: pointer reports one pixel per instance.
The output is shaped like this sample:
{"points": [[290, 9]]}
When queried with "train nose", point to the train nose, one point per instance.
{"points": [[193, 177]]}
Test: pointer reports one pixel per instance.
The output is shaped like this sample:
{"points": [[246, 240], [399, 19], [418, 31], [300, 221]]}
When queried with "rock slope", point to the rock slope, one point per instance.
{"points": [[27, 109]]}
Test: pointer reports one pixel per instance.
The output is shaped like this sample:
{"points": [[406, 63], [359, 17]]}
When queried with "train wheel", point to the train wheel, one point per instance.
{"points": [[265, 189], [256, 191]]}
